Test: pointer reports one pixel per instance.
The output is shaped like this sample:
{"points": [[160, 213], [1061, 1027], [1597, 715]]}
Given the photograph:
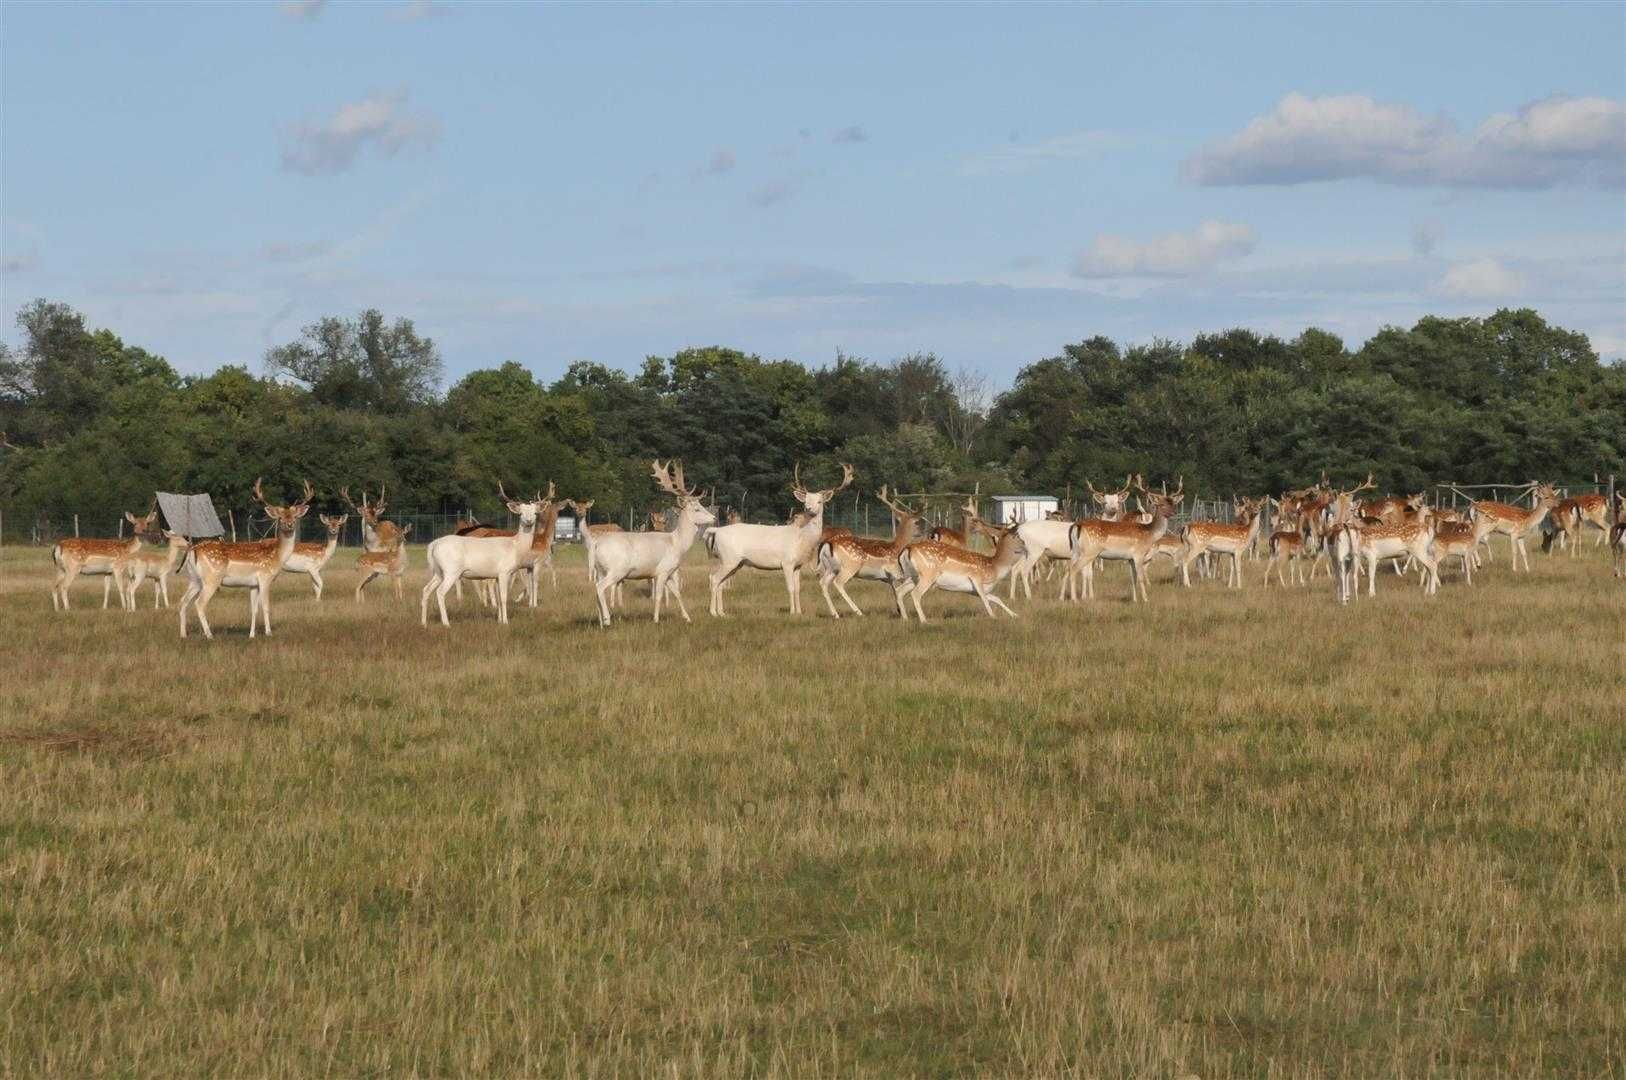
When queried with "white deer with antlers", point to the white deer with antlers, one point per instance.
{"points": [[1113, 503], [482, 558], [651, 556], [213, 564], [786, 548]]}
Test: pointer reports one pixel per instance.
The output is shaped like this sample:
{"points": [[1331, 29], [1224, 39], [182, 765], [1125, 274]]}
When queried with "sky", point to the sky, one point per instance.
{"points": [[553, 183]]}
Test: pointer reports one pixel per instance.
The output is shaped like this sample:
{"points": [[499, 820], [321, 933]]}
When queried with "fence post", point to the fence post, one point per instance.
{"points": [[1614, 504], [233, 521], [76, 526]]}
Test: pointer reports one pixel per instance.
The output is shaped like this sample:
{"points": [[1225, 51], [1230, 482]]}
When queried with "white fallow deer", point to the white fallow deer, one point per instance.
{"points": [[481, 558], [1114, 504], [391, 564], [156, 563], [1125, 541], [1516, 522], [843, 558], [932, 564], [786, 548], [254, 565], [1202, 537], [311, 558], [1339, 525], [96, 558], [530, 564], [651, 556]]}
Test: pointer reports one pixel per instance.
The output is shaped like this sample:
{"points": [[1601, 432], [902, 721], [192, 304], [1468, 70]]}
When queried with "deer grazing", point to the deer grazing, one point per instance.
{"points": [[254, 565], [390, 563], [96, 558], [786, 548], [932, 564], [158, 564], [651, 556], [843, 558], [1515, 522], [1125, 541], [482, 558], [1202, 537], [311, 558]]}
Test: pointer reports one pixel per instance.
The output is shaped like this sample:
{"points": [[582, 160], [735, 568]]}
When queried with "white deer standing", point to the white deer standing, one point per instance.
{"points": [[650, 556], [482, 558], [787, 548]]}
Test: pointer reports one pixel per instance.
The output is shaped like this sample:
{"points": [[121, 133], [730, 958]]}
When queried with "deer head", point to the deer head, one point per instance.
{"points": [[286, 517], [814, 501], [527, 512], [334, 524], [669, 478], [143, 525]]}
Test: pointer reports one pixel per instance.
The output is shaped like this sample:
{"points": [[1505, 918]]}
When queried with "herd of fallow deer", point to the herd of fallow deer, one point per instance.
{"points": [[1300, 530]]}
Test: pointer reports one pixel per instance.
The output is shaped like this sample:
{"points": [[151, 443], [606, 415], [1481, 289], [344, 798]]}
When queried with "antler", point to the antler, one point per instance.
{"points": [[796, 487], [310, 493], [668, 479], [1370, 483], [846, 478], [378, 507], [1125, 489], [344, 493], [503, 493], [1091, 486], [258, 494]]}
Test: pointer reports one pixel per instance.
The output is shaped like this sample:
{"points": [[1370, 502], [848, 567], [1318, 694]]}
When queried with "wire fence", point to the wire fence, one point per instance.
{"points": [[859, 511]]}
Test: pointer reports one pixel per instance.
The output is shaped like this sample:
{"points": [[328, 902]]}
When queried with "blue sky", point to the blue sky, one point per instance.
{"points": [[554, 183]]}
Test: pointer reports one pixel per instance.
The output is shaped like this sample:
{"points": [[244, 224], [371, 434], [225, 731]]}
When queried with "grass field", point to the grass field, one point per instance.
{"points": [[1226, 833]]}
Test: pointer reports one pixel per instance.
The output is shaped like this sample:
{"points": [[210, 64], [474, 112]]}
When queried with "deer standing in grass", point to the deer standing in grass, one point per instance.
{"points": [[96, 558], [961, 536], [1594, 513], [1455, 540], [376, 533], [541, 553], [1340, 539], [311, 558], [786, 548], [391, 564], [1412, 540], [1516, 522], [482, 558], [1123, 541], [1113, 503], [1287, 543], [158, 564], [254, 565], [1202, 537], [843, 558], [932, 564], [651, 556]]}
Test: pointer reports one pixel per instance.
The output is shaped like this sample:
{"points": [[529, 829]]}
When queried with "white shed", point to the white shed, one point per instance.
{"points": [[1009, 508]]}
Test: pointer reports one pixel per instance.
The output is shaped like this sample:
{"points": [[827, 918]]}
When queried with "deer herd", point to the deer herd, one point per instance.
{"points": [[1300, 531]]}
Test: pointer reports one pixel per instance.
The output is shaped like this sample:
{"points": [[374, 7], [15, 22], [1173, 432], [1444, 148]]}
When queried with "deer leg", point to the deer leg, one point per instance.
{"points": [[602, 589], [370, 575], [982, 594], [826, 575], [1001, 604], [429, 587], [841, 587], [922, 587], [316, 583], [675, 584], [793, 587], [201, 605], [719, 577]]}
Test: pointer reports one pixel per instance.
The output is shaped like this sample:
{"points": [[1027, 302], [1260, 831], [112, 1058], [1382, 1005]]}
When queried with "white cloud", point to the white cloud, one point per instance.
{"points": [[315, 147], [1024, 157], [1554, 141], [302, 9], [1176, 254], [1481, 279]]}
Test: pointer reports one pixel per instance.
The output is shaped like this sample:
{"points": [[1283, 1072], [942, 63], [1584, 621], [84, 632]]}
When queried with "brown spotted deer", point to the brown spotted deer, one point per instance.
{"points": [[1516, 522], [253, 565], [376, 533], [786, 548], [96, 558], [1594, 510], [391, 564], [1413, 540], [311, 558], [1563, 526], [156, 563], [843, 558], [1202, 537], [932, 564], [1287, 543], [1455, 540], [1124, 541], [961, 536]]}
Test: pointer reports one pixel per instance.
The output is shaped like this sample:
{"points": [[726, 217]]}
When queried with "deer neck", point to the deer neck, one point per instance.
{"points": [[903, 531], [287, 538], [177, 552], [685, 532], [524, 535]]}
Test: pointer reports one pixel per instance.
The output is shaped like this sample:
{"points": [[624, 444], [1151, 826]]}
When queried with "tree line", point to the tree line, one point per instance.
{"points": [[94, 424]]}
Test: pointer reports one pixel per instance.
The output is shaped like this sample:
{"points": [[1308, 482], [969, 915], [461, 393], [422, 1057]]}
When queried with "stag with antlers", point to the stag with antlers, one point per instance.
{"points": [[786, 548], [312, 558], [1127, 541], [253, 565], [482, 558], [376, 533], [1112, 503], [1515, 522], [932, 564], [845, 557], [651, 556]]}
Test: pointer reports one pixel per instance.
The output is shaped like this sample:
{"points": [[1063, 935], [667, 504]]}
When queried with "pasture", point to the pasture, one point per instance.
{"points": [[1226, 833]]}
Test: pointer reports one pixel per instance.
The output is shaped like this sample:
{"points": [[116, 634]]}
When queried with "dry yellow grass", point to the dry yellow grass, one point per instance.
{"points": [[1228, 833]]}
